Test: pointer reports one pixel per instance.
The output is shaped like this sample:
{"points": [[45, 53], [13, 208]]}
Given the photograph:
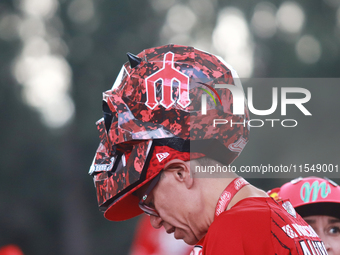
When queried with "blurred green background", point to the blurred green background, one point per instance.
{"points": [[56, 57]]}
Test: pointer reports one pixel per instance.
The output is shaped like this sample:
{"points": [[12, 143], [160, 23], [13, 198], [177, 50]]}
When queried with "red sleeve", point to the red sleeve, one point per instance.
{"points": [[239, 233]]}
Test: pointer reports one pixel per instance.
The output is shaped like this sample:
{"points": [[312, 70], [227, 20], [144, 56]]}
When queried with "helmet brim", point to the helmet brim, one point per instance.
{"points": [[126, 207], [320, 208]]}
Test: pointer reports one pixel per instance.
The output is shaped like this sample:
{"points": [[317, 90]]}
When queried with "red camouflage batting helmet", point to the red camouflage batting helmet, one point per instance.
{"points": [[153, 114], [312, 196]]}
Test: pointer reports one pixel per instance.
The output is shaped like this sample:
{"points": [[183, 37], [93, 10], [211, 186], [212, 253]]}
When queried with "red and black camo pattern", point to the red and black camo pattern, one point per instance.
{"points": [[108, 184], [135, 122], [155, 166]]}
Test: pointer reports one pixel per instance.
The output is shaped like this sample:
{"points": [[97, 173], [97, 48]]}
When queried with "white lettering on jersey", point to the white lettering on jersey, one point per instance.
{"points": [[316, 248], [311, 247], [289, 231], [303, 231], [304, 248]]}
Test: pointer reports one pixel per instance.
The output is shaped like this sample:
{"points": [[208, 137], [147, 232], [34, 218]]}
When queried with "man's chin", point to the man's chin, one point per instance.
{"points": [[191, 241], [188, 239]]}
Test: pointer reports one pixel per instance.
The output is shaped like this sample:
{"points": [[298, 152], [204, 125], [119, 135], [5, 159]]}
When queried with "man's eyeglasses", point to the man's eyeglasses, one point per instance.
{"points": [[146, 208]]}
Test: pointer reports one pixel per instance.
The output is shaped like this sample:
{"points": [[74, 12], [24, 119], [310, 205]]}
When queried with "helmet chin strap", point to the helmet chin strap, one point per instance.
{"points": [[228, 194]]}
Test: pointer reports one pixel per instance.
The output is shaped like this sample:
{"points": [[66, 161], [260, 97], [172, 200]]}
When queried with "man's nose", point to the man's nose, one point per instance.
{"points": [[156, 222]]}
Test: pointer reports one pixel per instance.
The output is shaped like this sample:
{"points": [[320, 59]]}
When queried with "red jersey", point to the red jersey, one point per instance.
{"points": [[260, 225]]}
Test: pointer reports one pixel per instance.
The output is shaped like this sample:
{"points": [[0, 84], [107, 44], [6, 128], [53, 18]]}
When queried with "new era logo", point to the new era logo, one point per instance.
{"points": [[161, 156]]}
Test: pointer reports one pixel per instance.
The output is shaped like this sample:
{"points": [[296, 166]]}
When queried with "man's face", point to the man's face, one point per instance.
{"points": [[174, 201], [169, 198], [328, 229]]}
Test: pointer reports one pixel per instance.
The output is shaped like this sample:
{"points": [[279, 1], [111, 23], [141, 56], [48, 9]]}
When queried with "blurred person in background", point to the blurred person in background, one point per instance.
{"points": [[317, 200], [155, 134], [10, 249], [151, 241]]}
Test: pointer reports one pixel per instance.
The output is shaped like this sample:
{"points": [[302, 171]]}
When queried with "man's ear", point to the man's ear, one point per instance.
{"points": [[181, 171]]}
